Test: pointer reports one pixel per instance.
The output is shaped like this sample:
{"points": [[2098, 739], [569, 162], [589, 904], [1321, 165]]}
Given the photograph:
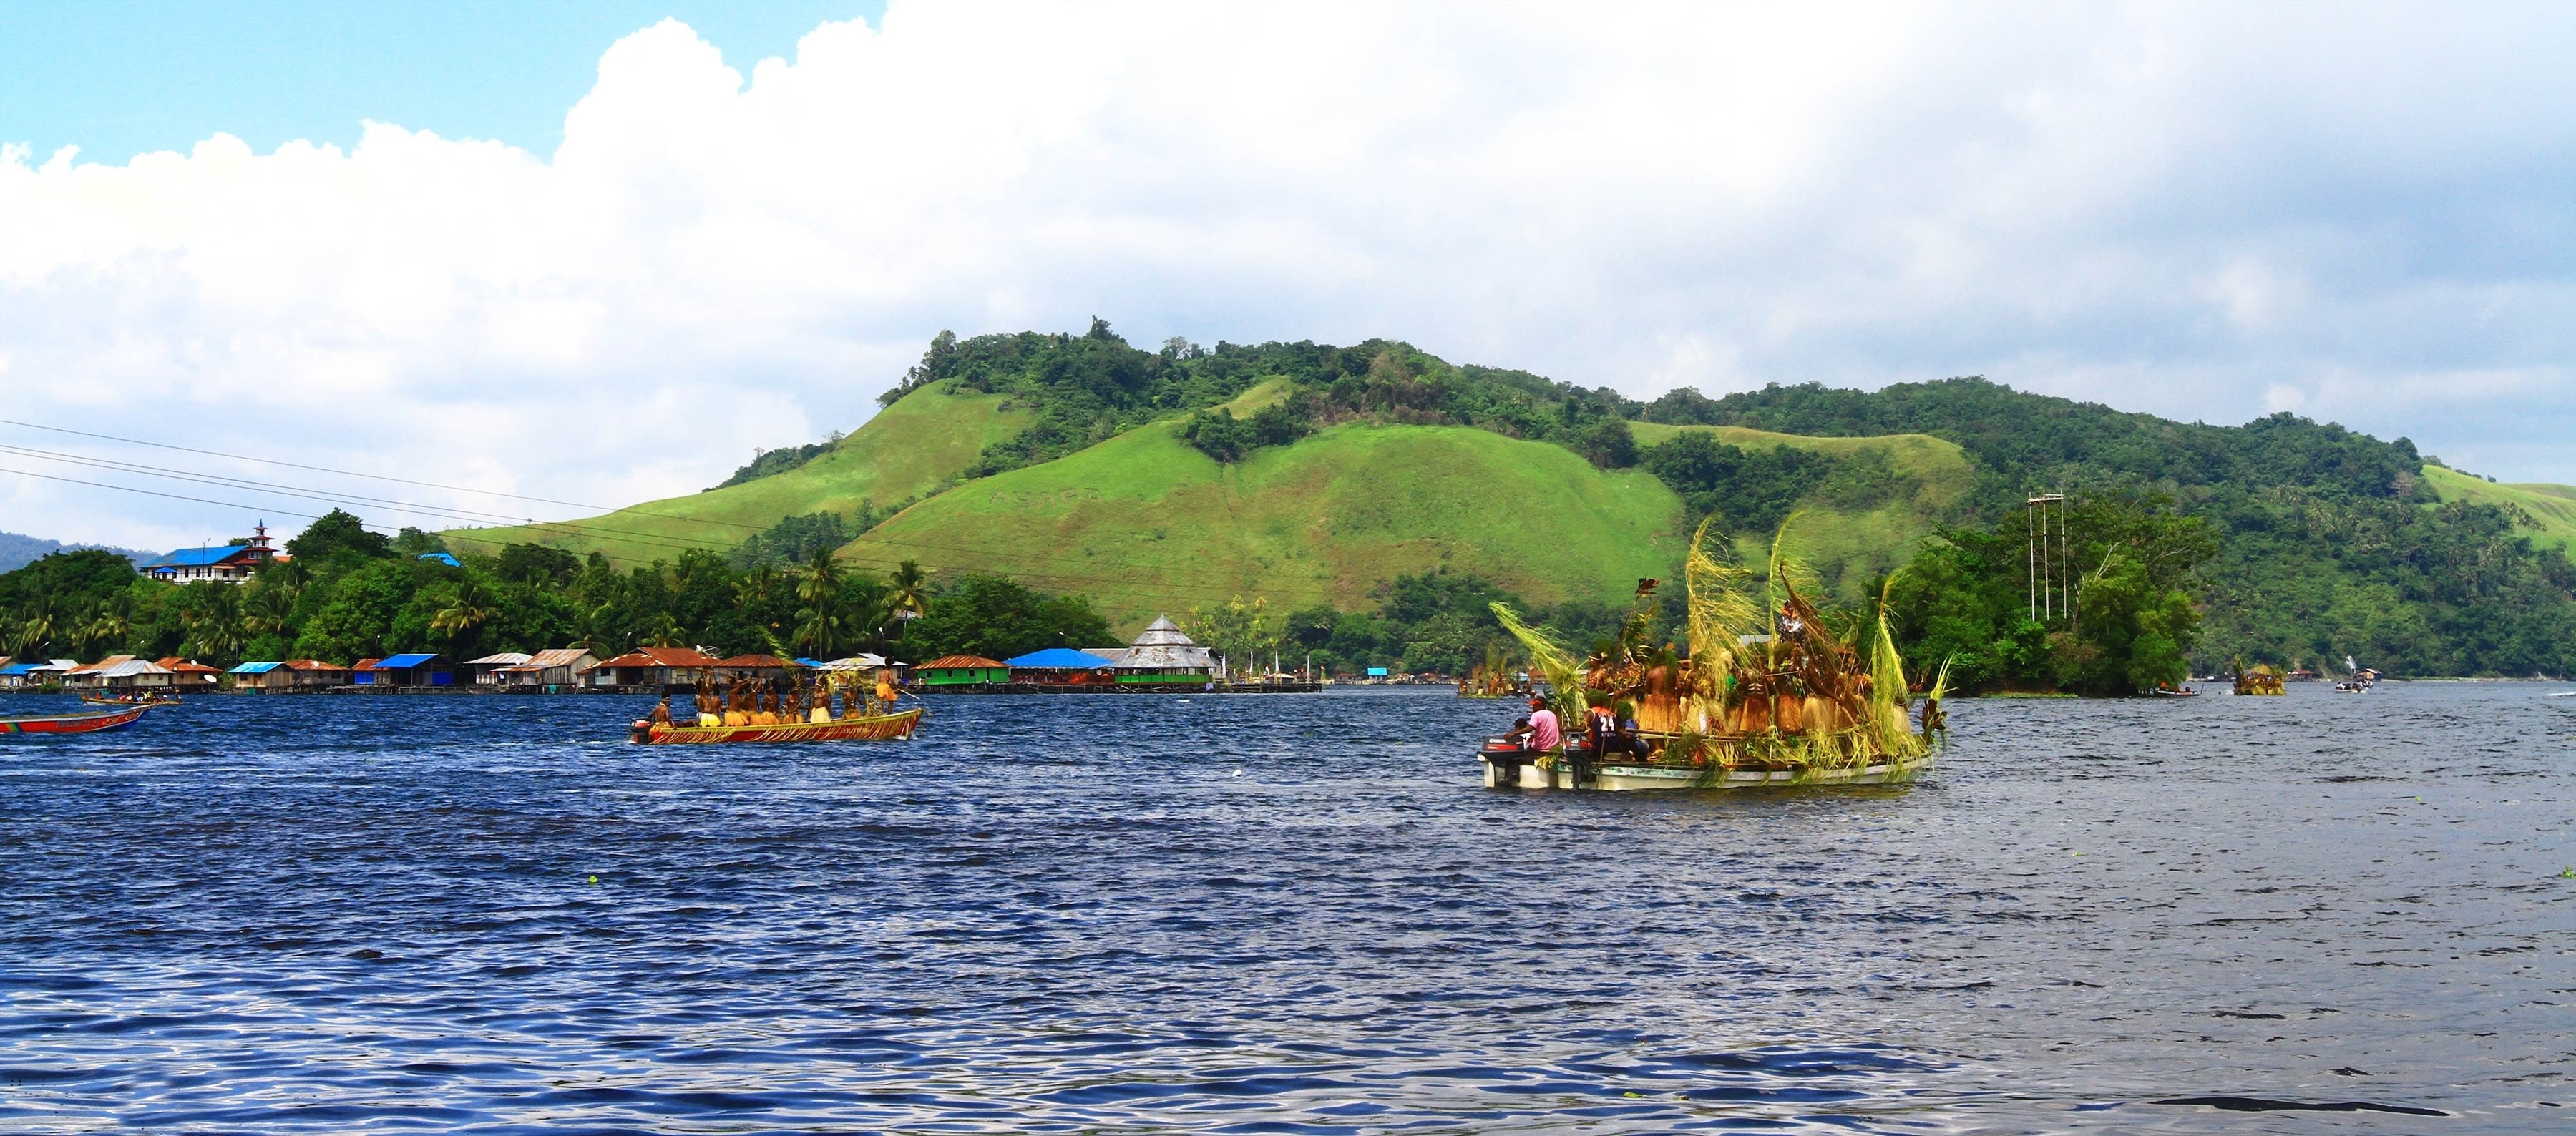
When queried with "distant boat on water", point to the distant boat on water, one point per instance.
{"points": [[87, 723]]}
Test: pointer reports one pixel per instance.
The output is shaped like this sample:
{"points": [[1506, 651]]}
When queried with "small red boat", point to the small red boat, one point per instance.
{"points": [[70, 723]]}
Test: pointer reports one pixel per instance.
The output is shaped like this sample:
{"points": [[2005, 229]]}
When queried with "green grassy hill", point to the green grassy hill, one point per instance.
{"points": [[907, 450], [1849, 547], [1145, 524], [2552, 507]]}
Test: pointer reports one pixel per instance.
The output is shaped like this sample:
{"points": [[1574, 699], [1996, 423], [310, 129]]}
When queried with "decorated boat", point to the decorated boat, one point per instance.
{"points": [[1768, 695], [790, 705], [2259, 679], [894, 727], [1493, 678], [155, 699], [85, 723]]}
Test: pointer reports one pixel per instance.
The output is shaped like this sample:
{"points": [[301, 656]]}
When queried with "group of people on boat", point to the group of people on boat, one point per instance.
{"points": [[778, 702], [150, 698], [1606, 733]]}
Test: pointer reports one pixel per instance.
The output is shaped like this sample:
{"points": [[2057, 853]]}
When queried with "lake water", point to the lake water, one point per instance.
{"points": [[1297, 914]]}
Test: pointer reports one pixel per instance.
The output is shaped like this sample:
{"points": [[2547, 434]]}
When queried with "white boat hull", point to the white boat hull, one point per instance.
{"points": [[1523, 774]]}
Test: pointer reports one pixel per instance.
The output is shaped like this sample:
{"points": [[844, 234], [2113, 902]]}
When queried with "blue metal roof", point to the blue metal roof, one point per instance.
{"points": [[20, 668], [1059, 659], [254, 668], [197, 557], [398, 662]]}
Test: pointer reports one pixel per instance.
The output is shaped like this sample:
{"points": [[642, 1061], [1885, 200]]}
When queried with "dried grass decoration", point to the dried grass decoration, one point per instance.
{"points": [[1766, 684]]}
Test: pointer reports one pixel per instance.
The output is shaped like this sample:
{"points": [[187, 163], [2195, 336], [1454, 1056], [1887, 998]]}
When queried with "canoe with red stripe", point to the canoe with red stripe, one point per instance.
{"points": [[70, 723]]}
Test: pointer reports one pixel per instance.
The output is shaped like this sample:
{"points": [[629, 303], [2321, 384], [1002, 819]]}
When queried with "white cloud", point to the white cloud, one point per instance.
{"points": [[2208, 212]]}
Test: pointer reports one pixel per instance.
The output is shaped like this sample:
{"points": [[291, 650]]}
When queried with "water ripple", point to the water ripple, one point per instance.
{"points": [[281, 915]]}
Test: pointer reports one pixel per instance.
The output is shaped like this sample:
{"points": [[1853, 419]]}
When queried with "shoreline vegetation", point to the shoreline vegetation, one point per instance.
{"points": [[1363, 506]]}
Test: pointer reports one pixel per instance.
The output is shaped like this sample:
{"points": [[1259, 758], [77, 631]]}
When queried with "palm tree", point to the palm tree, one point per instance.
{"points": [[659, 630], [271, 607], [591, 626], [471, 609], [35, 626], [291, 575], [212, 612], [756, 586], [114, 621], [83, 632], [820, 622], [910, 597]]}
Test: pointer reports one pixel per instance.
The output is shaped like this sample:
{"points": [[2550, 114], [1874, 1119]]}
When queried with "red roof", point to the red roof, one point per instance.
{"points": [[188, 666], [961, 662], [754, 661], [366, 664], [312, 665], [662, 657]]}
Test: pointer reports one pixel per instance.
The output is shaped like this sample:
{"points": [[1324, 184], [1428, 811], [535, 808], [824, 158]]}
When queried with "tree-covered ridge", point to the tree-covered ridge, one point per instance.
{"points": [[768, 462], [1089, 388], [2031, 441]]}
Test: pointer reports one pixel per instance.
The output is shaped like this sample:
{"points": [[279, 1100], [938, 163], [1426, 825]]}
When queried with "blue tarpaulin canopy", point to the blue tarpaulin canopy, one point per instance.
{"points": [[1059, 659], [400, 662]]}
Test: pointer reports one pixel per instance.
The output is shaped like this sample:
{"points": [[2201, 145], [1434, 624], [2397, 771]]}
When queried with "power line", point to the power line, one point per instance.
{"points": [[1176, 592], [481, 517], [355, 473], [596, 532]]}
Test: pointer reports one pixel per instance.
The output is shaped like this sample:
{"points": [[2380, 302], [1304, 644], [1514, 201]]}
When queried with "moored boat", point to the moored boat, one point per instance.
{"points": [[85, 723]]}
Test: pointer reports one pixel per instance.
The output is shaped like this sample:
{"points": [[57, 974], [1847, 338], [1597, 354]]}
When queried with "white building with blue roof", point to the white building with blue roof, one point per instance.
{"points": [[231, 563]]}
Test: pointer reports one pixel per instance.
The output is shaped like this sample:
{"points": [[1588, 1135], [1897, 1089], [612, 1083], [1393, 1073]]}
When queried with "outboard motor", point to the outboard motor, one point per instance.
{"points": [[642, 731]]}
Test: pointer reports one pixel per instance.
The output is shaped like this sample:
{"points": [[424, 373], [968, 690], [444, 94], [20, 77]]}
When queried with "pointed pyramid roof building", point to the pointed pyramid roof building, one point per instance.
{"points": [[1162, 647]]}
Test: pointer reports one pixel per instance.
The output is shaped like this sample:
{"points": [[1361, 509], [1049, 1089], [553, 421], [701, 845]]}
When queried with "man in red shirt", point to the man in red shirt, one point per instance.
{"points": [[1545, 735]]}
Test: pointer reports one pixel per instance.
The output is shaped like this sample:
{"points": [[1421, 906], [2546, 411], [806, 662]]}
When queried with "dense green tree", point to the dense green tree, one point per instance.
{"points": [[2134, 564], [998, 619], [338, 535], [536, 565], [1748, 490]]}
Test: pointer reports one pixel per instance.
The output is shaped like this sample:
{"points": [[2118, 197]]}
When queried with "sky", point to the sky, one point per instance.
{"points": [[601, 253]]}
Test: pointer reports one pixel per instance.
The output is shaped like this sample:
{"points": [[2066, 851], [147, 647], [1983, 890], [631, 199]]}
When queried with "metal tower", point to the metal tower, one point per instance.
{"points": [[2052, 595]]}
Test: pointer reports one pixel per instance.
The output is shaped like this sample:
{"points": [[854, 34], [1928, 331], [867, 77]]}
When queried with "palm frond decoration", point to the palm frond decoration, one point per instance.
{"points": [[1564, 673]]}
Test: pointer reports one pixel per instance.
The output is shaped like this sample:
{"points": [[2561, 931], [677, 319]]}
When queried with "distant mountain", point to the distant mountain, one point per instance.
{"points": [[17, 549]]}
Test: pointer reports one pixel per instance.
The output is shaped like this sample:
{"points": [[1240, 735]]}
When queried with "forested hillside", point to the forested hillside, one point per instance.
{"points": [[2325, 542], [1365, 502]]}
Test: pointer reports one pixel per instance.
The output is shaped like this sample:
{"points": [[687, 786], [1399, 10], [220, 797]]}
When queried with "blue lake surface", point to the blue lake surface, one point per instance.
{"points": [[1294, 914]]}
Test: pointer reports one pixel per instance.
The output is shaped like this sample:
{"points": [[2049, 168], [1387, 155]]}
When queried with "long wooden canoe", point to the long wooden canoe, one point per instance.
{"points": [[896, 727], [70, 723]]}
